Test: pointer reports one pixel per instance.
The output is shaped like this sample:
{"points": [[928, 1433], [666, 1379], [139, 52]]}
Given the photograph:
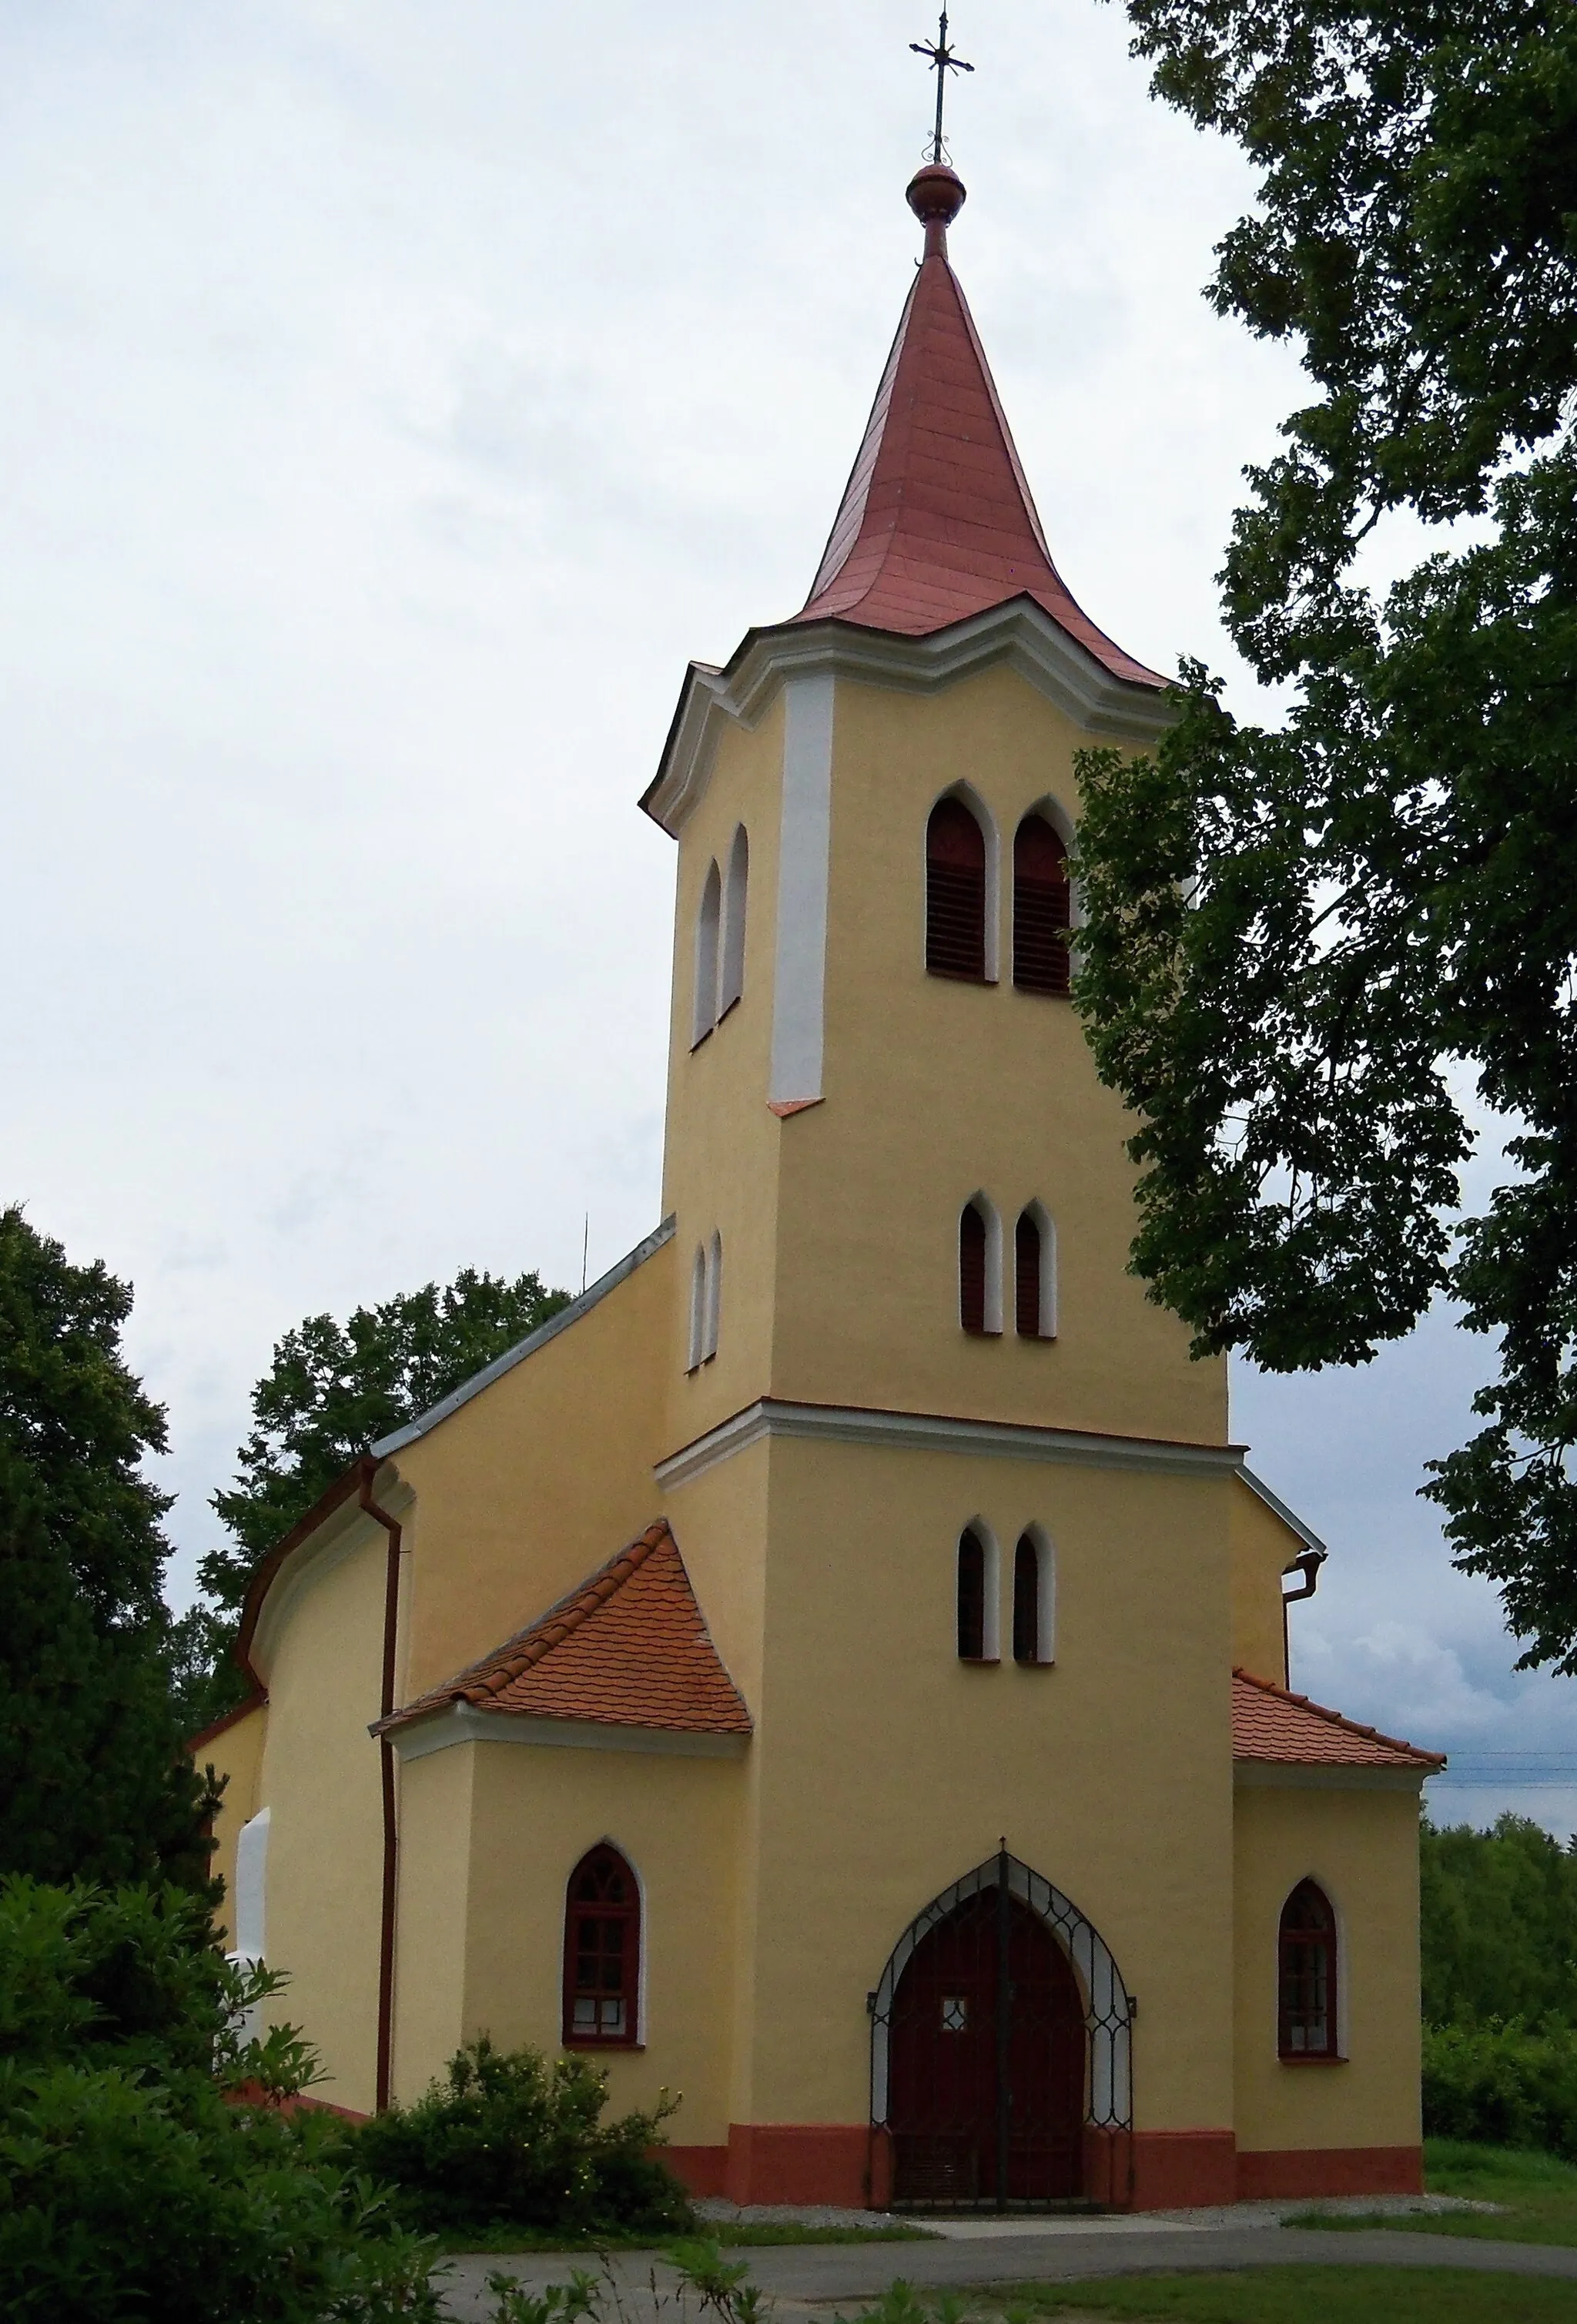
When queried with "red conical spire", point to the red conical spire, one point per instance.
{"points": [[937, 521]]}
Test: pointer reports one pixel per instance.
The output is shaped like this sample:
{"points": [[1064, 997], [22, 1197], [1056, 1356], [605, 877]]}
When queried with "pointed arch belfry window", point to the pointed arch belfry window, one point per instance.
{"points": [[601, 1953], [976, 1594], [1034, 1597], [1042, 908], [955, 893]]}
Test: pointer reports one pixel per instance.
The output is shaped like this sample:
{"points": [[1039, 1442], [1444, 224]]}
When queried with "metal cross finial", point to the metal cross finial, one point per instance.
{"points": [[942, 61]]}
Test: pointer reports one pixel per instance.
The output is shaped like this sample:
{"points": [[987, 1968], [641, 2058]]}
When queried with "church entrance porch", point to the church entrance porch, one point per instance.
{"points": [[1000, 2052]]}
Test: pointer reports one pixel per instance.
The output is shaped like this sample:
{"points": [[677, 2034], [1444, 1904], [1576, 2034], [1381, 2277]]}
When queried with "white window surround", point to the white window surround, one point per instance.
{"points": [[1046, 1588], [1047, 1227], [698, 1310], [713, 1296], [731, 951], [252, 1887], [704, 1012], [799, 968], [967, 796], [991, 1643], [988, 1210]]}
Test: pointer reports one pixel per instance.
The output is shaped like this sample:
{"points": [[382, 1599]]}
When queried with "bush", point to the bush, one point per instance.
{"points": [[1502, 2086], [128, 2186], [508, 2139]]}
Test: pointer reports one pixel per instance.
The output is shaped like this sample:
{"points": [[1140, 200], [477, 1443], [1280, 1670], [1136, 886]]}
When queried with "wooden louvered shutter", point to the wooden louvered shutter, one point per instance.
{"points": [[970, 1597], [955, 888], [1027, 1277], [972, 1269], [1042, 908]]}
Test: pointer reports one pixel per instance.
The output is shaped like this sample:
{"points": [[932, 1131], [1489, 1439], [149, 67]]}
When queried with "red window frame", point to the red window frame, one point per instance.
{"points": [[1026, 1601], [1027, 1276], [1306, 1990], [601, 1953]]}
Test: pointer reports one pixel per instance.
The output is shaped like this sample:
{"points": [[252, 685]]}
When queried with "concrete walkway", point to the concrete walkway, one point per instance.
{"points": [[801, 2277]]}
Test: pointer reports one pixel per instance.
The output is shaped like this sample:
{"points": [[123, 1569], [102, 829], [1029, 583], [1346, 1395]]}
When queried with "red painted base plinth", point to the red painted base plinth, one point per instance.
{"points": [[842, 2165]]}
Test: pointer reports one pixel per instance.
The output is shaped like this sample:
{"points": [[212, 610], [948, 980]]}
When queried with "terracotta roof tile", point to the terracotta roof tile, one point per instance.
{"points": [[937, 521], [628, 1647], [1270, 1724]]}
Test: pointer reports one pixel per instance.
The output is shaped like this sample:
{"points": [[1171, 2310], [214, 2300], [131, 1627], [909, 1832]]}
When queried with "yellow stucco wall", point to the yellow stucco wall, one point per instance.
{"points": [[236, 1754], [536, 1811], [1262, 1548], [526, 1489], [322, 1661], [933, 1089], [438, 1838], [720, 1160], [1361, 1846], [885, 1769]]}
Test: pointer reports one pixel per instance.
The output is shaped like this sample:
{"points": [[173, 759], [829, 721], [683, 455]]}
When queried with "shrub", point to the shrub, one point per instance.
{"points": [[1501, 2084], [128, 2186], [508, 2139]]}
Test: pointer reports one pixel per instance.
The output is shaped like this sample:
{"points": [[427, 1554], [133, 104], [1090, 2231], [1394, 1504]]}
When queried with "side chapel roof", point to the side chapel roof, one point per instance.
{"points": [[1270, 1724], [937, 521], [628, 1647]]}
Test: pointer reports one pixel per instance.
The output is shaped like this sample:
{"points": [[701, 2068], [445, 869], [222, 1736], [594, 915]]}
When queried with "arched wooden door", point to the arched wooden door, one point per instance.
{"points": [[986, 2062]]}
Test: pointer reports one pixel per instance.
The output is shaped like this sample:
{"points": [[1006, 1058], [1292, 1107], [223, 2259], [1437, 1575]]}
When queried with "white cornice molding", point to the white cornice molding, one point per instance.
{"points": [[1284, 1774], [1021, 634], [931, 1432], [463, 1722]]}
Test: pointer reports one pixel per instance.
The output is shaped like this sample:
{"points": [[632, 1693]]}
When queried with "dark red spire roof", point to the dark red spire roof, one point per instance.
{"points": [[937, 521]]}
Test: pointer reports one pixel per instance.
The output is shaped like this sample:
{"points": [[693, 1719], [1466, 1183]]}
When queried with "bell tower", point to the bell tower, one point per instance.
{"points": [[899, 1185]]}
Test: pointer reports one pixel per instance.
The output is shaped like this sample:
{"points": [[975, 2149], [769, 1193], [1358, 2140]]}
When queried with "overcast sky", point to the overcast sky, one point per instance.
{"points": [[394, 397]]}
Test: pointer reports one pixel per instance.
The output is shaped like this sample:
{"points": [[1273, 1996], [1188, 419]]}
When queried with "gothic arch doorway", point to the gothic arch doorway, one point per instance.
{"points": [[1000, 2064]]}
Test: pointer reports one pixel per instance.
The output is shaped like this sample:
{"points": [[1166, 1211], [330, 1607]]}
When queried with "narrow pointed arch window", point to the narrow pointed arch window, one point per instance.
{"points": [[731, 974], [972, 1240], [972, 1597], [955, 893], [1027, 1276], [708, 918], [1307, 1974], [1035, 1274], [1032, 1600], [601, 1953], [1042, 908]]}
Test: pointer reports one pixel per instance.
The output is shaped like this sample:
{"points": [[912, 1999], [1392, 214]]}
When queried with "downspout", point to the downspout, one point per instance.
{"points": [[1308, 1566], [386, 1769]]}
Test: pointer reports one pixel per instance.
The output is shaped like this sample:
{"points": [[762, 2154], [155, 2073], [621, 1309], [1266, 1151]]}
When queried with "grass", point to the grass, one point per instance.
{"points": [[1304, 2295], [1539, 2192], [757, 2232]]}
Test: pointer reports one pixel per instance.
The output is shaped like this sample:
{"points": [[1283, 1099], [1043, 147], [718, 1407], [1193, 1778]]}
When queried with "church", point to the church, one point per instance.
{"points": [[835, 1670]]}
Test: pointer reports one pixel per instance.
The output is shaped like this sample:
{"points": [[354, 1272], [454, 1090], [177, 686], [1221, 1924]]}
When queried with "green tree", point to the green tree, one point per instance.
{"points": [[93, 1781], [331, 1392], [1314, 946], [1497, 1925]]}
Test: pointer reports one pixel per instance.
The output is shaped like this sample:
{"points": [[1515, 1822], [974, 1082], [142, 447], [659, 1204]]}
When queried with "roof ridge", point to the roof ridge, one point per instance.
{"points": [[1336, 1717]]}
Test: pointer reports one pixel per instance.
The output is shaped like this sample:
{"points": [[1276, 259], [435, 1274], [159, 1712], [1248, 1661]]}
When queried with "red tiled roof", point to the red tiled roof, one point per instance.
{"points": [[1268, 1723], [937, 521], [628, 1649]]}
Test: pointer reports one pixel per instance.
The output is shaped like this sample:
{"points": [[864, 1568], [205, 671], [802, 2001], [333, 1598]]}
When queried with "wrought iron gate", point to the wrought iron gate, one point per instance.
{"points": [[1000, 2066]]}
